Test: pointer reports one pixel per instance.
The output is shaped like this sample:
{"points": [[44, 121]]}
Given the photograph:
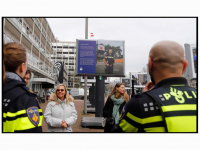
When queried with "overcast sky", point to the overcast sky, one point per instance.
{"points": [[139, 34]]}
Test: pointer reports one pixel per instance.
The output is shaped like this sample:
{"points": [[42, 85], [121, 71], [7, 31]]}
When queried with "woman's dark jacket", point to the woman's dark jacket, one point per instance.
{"points": [[17, 98], [108, 110]]}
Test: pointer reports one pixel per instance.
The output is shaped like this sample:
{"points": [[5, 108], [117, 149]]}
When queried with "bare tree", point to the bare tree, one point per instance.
{"points": [[144, 69], [109, 88]]}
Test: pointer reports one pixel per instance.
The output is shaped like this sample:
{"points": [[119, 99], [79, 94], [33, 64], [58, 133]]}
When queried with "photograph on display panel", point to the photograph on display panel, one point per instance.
{"points": [[109, 57]]}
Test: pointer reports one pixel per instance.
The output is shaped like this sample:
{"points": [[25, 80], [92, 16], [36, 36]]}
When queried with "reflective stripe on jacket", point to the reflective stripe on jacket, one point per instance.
{"points": [[178, 107], [21, 111]]}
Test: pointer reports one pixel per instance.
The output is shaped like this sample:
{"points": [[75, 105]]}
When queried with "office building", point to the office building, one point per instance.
{"points": [[66, 53]]}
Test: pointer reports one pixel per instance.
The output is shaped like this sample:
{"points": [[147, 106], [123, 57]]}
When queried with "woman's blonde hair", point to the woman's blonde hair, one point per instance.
{"points": [[118, 94], [68, 97], [53, 97]]}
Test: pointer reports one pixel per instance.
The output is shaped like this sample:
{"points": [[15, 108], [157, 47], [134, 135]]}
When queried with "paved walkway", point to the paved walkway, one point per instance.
{"points": [[79, 105]]}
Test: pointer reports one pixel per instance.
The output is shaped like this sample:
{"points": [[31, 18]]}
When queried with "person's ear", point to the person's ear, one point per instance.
{"points": [[22, 67], [185, 64], [150, 64]]}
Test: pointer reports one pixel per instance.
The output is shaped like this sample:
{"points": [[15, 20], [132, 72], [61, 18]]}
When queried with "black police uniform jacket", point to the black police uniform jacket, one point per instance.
{"points": [[110, 60], [21, 111], [169, 107], [108, 110]]}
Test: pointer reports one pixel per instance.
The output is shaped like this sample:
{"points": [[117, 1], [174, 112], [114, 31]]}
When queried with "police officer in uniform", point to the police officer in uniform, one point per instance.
{"points": [[167, 104], [21, 111], [109, 60]]}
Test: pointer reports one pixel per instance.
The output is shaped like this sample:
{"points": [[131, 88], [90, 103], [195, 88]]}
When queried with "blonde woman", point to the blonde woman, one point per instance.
{"points": [[114, 105], [60, 113]]}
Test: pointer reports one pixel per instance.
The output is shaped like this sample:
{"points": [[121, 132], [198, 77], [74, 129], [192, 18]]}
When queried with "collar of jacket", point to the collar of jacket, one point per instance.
{"points": [[61, 102], [173, 81], [14, 76]]}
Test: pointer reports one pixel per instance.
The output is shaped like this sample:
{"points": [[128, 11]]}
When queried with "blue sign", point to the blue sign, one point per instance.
{"points": [[87, 57]]}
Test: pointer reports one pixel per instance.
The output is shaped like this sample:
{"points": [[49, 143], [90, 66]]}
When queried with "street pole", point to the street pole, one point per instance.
{"points": [[133, 88], [85, 86]]}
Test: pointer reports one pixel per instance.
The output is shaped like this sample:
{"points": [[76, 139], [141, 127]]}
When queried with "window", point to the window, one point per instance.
{"points": [[8, 40], [65, 50], [28, 54], [24, 24], [72, 44], [4, 37]]}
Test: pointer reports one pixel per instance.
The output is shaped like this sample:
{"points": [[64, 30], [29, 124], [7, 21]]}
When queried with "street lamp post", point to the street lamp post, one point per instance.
{"points": [[85, 86]]}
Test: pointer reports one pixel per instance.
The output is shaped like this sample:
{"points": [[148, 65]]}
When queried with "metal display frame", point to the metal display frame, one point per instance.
{"points": [[105, 75]]}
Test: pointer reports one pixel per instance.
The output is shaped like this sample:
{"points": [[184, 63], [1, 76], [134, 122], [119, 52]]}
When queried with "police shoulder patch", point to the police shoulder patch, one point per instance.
{"points": [[30, 91], [33, 115]]}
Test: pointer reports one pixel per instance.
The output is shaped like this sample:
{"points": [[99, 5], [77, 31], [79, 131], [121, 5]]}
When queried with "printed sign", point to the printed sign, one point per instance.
{"points": [[100, 58]]}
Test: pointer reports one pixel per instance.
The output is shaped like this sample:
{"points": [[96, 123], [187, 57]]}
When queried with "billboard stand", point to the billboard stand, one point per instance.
{"points": [[100, 89], [93, 94], [85, 96], [98, 102], [90, 109], [90, 98]]}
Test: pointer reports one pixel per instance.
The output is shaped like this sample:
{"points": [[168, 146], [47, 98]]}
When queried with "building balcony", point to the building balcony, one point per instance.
{"points": [[15, 23]]}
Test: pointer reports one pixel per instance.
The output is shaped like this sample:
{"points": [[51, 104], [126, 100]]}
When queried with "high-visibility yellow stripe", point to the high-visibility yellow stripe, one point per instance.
{"points": [[179, 107], [155, 129], [19, 124], [40, 123], [9, 114], [179, 85], [181, 124], [4, 115], [144, 120], [127, 127]]}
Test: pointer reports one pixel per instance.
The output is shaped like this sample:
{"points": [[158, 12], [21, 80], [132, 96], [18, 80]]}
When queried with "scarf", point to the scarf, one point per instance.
{"points": [[117, 103]]}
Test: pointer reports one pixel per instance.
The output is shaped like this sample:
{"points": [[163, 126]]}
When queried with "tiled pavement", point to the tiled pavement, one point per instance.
{"points": [[79, 105]]}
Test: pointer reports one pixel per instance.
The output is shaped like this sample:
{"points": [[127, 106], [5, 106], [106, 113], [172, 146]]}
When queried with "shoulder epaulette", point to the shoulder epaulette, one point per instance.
{"points": [[28, 90]]}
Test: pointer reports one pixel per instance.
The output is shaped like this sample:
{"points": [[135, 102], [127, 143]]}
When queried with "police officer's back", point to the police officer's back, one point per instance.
{"points": [[171, 105], [21, 112]]}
